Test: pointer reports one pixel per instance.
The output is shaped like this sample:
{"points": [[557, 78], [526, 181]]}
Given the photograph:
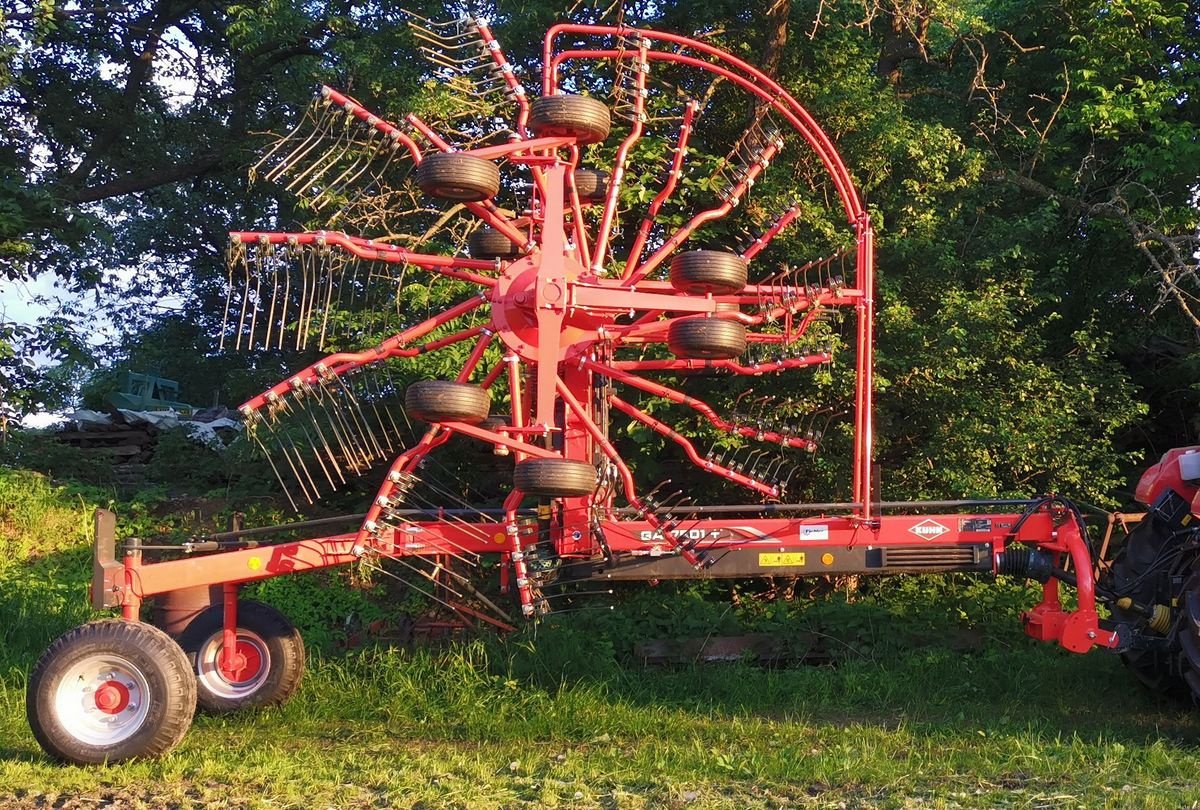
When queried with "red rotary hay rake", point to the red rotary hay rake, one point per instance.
{"points": [[583, 310]]}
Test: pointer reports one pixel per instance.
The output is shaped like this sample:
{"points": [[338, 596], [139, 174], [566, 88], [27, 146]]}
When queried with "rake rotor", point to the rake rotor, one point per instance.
{"points": [[600, 308]]}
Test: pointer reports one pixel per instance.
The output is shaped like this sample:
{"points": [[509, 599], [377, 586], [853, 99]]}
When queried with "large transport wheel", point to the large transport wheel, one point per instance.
{"points": [[447, 401], [555, 477], [706, 338], [456, 176], [110, 691], [270, 652], [489, 243], [698, 272], [585, 119]]}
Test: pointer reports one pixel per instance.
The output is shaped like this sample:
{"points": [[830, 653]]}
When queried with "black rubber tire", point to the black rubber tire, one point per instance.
{"points": [[1155, 671], [167, 693], [496, 421], [1187, 633], [699, 272], [555, 477], [489, 243], [585, 119], [706, 339], [457, 176], [591, 185], [262, 626], [447, 401]]}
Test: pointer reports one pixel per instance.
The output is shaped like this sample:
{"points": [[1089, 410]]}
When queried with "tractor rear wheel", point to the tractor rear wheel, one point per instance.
{"points": [[460, 177], [699, 272], [489, 243], [447, 401], [581, 117], [269, 649], [706, 338], [110, 691], [1187, 629], [555, 477]]}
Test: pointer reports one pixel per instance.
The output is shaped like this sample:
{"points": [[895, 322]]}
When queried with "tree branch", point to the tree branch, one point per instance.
{"points": [[201, 165]]}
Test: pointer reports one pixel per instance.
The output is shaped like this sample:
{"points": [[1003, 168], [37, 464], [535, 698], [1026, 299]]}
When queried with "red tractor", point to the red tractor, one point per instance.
{"points": [[580, 314]]}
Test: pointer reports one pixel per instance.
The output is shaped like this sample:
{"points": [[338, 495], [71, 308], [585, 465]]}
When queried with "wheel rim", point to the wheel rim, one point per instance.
{"points": [[252, 655], [103, 700]]}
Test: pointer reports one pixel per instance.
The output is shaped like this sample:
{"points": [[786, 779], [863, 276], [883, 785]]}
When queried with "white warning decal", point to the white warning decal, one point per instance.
{"points": [[929, 530]]}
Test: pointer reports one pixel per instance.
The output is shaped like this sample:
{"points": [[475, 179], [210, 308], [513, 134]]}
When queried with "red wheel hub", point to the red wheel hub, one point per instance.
{"points": [[112, 697], [246, 664]]}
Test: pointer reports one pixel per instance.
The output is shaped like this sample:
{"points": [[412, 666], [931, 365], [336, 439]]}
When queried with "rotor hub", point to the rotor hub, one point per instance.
{"points": [[531, 283]]}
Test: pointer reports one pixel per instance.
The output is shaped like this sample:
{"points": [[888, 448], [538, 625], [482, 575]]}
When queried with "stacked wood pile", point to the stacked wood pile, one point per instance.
{"points": [[130, 437]]}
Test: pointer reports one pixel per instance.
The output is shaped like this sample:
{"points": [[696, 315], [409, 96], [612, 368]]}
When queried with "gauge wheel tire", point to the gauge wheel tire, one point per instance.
{"points": [[591, 185], [446, 401], [706, 339], [459, 177], [110, 691], [699, 272], [555, 477], [585, 119], [489, 243], [270, 645]]}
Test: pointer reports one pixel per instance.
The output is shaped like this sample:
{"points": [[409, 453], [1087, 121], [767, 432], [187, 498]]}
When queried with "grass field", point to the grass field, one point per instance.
{"points": [[904, 718]]}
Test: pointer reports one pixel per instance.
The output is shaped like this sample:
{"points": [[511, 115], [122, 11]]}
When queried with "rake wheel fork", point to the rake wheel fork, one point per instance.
{"points": [[607, 448]]}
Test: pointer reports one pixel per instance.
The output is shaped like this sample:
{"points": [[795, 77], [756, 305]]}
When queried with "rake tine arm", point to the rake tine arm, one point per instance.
{"points": [[515, 88], [705, 410], [673, 175], [682, 235], [363, 114], [626, 476], [367, 249], [776, 228], [604, 230], [731, 366], [648, 420], [344, 361]]}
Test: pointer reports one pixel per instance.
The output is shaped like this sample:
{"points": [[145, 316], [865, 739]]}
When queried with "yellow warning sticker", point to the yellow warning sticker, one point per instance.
{"points": [[781, 559]]}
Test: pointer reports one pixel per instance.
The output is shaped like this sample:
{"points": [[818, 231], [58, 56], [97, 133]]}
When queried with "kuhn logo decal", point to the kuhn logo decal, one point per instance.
{"points": [[929, 530]]}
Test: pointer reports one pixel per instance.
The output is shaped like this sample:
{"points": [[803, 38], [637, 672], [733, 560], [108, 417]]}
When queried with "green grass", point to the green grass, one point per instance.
{"points": [[566, 721]]}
